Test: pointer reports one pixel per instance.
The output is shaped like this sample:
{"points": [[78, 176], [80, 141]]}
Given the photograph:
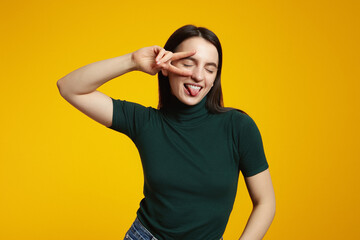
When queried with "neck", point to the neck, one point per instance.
{"points": [[184, 113]]}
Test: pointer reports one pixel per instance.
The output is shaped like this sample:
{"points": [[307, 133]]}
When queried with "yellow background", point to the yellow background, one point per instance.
{"points": [[292, 65]]}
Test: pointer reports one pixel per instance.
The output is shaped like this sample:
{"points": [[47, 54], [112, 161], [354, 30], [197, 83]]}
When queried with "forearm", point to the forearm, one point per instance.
{"points": [[259, 222], [88, 78]]}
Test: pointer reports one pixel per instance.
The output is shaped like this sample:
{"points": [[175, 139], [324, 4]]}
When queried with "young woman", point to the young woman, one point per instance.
{"points": [[192, 148]]}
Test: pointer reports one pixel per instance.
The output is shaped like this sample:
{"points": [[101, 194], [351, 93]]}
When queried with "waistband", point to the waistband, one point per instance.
{"points": [[139, 227]]}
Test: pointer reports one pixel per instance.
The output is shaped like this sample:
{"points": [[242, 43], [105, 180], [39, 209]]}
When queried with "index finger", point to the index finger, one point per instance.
{"points": [[180, 55]]}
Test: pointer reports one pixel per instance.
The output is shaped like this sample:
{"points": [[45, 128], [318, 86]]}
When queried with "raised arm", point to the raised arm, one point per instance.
{"points": [[79, 87]]}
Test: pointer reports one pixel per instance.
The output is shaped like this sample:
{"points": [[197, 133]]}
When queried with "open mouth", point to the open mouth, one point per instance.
{"points": [[192, 90]]}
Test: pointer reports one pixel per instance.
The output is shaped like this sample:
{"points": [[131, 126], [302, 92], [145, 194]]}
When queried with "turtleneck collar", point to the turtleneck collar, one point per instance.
{"points": [[185, 114]]}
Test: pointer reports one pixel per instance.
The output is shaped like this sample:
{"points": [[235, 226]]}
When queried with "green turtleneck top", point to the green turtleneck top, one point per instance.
{"points": [[191, 161]]}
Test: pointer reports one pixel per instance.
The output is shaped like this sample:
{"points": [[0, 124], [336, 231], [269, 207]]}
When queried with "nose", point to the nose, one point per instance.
{"points": [[198, 74]]}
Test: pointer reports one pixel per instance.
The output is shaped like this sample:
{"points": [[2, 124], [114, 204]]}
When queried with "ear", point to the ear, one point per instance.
{"points": [[164, 72]]}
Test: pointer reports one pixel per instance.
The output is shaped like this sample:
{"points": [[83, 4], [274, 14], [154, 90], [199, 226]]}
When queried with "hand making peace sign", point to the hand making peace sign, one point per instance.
{"points": [[153, 59]]}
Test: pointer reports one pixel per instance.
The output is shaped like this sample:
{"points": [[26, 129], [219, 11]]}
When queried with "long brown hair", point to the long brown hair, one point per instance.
{"points": [[214, 101]]}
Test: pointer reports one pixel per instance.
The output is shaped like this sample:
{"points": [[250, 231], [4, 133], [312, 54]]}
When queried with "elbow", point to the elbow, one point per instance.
{"points": [[61, 87], [268, 205], [273, 204], [273, 209]]}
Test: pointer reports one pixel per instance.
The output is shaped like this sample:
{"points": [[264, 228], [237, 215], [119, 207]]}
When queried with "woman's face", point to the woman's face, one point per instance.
{"points": [[203, 65]]}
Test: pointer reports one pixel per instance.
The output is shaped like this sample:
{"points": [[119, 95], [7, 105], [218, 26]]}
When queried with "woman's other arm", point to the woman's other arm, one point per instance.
{"points": [[79, 87], [262, 194]]}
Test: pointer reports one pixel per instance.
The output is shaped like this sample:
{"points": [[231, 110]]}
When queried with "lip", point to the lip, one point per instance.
{"points": [[194, 84]]}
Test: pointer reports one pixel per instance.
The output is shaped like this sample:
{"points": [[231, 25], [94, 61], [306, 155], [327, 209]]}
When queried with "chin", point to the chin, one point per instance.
{"points": [[190, 102]]}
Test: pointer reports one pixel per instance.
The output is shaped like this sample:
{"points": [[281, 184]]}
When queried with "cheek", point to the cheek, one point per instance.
{"points": [[211, 83]]}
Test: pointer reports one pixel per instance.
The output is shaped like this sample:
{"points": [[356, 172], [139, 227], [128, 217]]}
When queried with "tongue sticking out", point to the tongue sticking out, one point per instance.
{"points": [[193, 90]]}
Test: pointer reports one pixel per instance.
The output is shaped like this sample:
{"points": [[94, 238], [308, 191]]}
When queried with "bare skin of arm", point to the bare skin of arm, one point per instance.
{"points": [[262, 194], [79, 87]]}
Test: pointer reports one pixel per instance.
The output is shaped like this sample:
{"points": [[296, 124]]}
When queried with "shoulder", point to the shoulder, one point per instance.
{"points": [[136, 112], [241, 124], [130, 117], [238, 118]]}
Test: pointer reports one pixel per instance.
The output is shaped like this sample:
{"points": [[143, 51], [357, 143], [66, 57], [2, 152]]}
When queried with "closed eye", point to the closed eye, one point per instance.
{"points": [[187, 65]]}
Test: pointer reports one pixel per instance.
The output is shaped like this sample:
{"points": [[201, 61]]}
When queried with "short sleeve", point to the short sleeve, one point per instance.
{"points": [[129, 117], [251, 150]]}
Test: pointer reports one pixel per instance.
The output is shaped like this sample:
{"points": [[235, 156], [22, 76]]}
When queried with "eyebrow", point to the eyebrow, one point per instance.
{"points": [[207, 64]]}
